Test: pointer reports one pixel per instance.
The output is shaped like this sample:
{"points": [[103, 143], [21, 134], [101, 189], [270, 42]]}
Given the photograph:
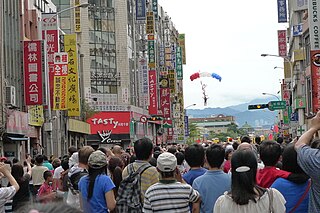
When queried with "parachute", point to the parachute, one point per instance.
{"points": [[205, 74]]}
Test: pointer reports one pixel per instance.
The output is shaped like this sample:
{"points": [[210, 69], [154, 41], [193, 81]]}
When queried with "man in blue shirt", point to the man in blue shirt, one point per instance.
{"points": [[214, 182], [309, 161]]}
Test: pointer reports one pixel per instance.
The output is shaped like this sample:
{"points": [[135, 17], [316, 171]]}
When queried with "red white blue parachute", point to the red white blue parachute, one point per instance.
{"points": [[204, 74]]}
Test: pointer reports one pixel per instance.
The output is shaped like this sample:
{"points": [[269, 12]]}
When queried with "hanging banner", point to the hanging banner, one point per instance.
{"points": [[155, 8], [186, 126], [151, 52], [168, 59], [172, 81], [315, 79], [60, 81], [35, 115], [50, 25], [282, 42], [153, 98], [73, 97], [77, 17], [165, 105], [314, 23], [173, 56], [300, 5], [182, 44], [143, 82], [179, 68], [150, 23], [297, 30], [141, 11], [32, 61], [161, 55], [282, 11]]}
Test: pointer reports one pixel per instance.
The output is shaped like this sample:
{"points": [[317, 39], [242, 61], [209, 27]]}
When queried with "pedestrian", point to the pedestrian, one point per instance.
{"points": [[194, 155], [143, 149], [169, 195], [309, 160], [46, 193], [214, 182], [96, 189], [115, 167], [37, 174], [245, 195], [296, 195]]}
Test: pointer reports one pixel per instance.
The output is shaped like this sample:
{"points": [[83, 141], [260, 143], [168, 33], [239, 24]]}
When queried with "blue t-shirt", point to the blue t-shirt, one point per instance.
{"points": [[292, 193], [97, 203], [193, 174], [211, 185]]}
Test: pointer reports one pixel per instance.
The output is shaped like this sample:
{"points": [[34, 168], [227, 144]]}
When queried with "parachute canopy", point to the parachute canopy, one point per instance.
{"points": [[204, 74]]}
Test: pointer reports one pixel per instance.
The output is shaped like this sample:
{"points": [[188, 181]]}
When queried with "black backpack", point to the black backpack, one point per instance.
{"points": [[73, 181], [129, 192]]}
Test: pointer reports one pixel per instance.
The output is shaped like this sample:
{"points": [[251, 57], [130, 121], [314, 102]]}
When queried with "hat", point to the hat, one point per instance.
{"points": [[166, 162], [97, 160], [3, 158]]}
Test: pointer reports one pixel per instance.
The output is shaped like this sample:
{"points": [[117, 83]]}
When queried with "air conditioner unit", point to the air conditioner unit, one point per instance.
{"points": [[10, 97]]}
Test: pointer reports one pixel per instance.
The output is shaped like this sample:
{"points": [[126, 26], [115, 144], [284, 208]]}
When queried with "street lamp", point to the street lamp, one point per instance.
{"points": [[48, 123], [278, 67], [190, 106], [264, 93], [291, 69]]}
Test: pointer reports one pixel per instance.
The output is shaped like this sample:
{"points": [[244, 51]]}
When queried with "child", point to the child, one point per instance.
{"points": [[46, 193]]}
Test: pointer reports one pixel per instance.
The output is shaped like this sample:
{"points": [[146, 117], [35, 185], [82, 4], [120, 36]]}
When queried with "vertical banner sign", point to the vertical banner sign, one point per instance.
{"points": [[165, 105], [143, 83], [150, 23], [168, 59], [297, 30], [282, 11], [182, 44], [77, 17], [151, 52], [50, 24], [155, 8], [141, 11], [179, 68], [35, 115], [32, 62], [173, 56], [161, 55], [153, 98], [282, 42], [186, 126], [73, 97], [315, 75], [314, 23], [60, 81]]}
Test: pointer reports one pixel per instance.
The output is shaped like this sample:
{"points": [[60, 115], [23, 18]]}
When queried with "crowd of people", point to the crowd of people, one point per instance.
{"points": [[268, 176]]}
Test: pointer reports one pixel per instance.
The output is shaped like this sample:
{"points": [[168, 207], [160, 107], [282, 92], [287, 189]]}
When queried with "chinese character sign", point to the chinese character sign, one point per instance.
{"points": [[315, 75], [153, 98], [60, 81], [165, 105], [143, 82], [182, 41], [150, 23], [155, 8], [314, 23], [179, 68], [141, 10], [297, 30], [77, 17], [32, 61], [35, 115], [151, 52], [282, 11], [73, 97], [282, 42]]}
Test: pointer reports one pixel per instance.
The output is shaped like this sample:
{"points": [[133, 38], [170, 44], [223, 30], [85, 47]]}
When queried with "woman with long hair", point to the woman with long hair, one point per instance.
{"points": [[246, 195], [115, 167], [96, 189]]}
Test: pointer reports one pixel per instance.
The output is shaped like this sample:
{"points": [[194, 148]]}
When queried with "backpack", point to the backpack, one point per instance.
{"points": [[73, 181], [129, 192]]}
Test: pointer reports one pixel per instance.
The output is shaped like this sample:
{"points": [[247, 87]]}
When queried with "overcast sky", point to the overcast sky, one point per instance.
{"points": [[227, 37]]}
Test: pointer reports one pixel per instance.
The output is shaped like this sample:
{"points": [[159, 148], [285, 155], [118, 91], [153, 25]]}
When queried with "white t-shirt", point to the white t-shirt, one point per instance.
{"points": [[225, 204], [57, 172], [6, 193]]}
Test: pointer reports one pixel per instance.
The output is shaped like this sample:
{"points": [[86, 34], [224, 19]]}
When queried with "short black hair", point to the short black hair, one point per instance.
{"points": [[194, 155], [39, 159], [156, 148], [180, 157], [156, 154], [45, 158], [235, 145], [143, 148], [257, 139], [172, 150], [47, 174], [289, 160], [270, 152], [65, 164], [215, 155], [245, 139], [280, 140]]}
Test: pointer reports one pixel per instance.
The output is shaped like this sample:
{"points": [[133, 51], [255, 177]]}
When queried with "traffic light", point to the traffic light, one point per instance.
{"points": [[155, 118], [258, 106]]}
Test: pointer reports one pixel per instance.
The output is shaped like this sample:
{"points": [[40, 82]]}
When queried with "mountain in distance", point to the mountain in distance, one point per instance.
{"points": [[255, 118]]}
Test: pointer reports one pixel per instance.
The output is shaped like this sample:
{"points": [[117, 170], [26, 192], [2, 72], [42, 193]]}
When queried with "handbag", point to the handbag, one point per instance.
{"points": [[301, 198], [270, 195]]}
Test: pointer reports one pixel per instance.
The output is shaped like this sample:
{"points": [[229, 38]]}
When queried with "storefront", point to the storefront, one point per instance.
{"points": [[77, 132]]}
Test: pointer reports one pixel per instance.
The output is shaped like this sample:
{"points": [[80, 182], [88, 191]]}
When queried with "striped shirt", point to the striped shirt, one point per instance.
{"points": [[149, 177], [169, 197]]}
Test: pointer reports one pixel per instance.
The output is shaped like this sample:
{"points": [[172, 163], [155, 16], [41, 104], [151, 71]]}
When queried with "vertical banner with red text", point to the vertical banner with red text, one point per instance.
{"points": [[60, 81], [282, 42], [153, 98], [50, 25], [73, 101], [315, 75], [32, 62], [165, 102]]}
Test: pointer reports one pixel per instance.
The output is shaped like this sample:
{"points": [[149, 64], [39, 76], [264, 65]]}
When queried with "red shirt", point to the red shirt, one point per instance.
{"points": [[267, 175], [45, 189]]}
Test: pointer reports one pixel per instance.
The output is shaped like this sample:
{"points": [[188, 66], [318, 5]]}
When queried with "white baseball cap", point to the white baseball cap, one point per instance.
{"points": [[166, 162]]}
